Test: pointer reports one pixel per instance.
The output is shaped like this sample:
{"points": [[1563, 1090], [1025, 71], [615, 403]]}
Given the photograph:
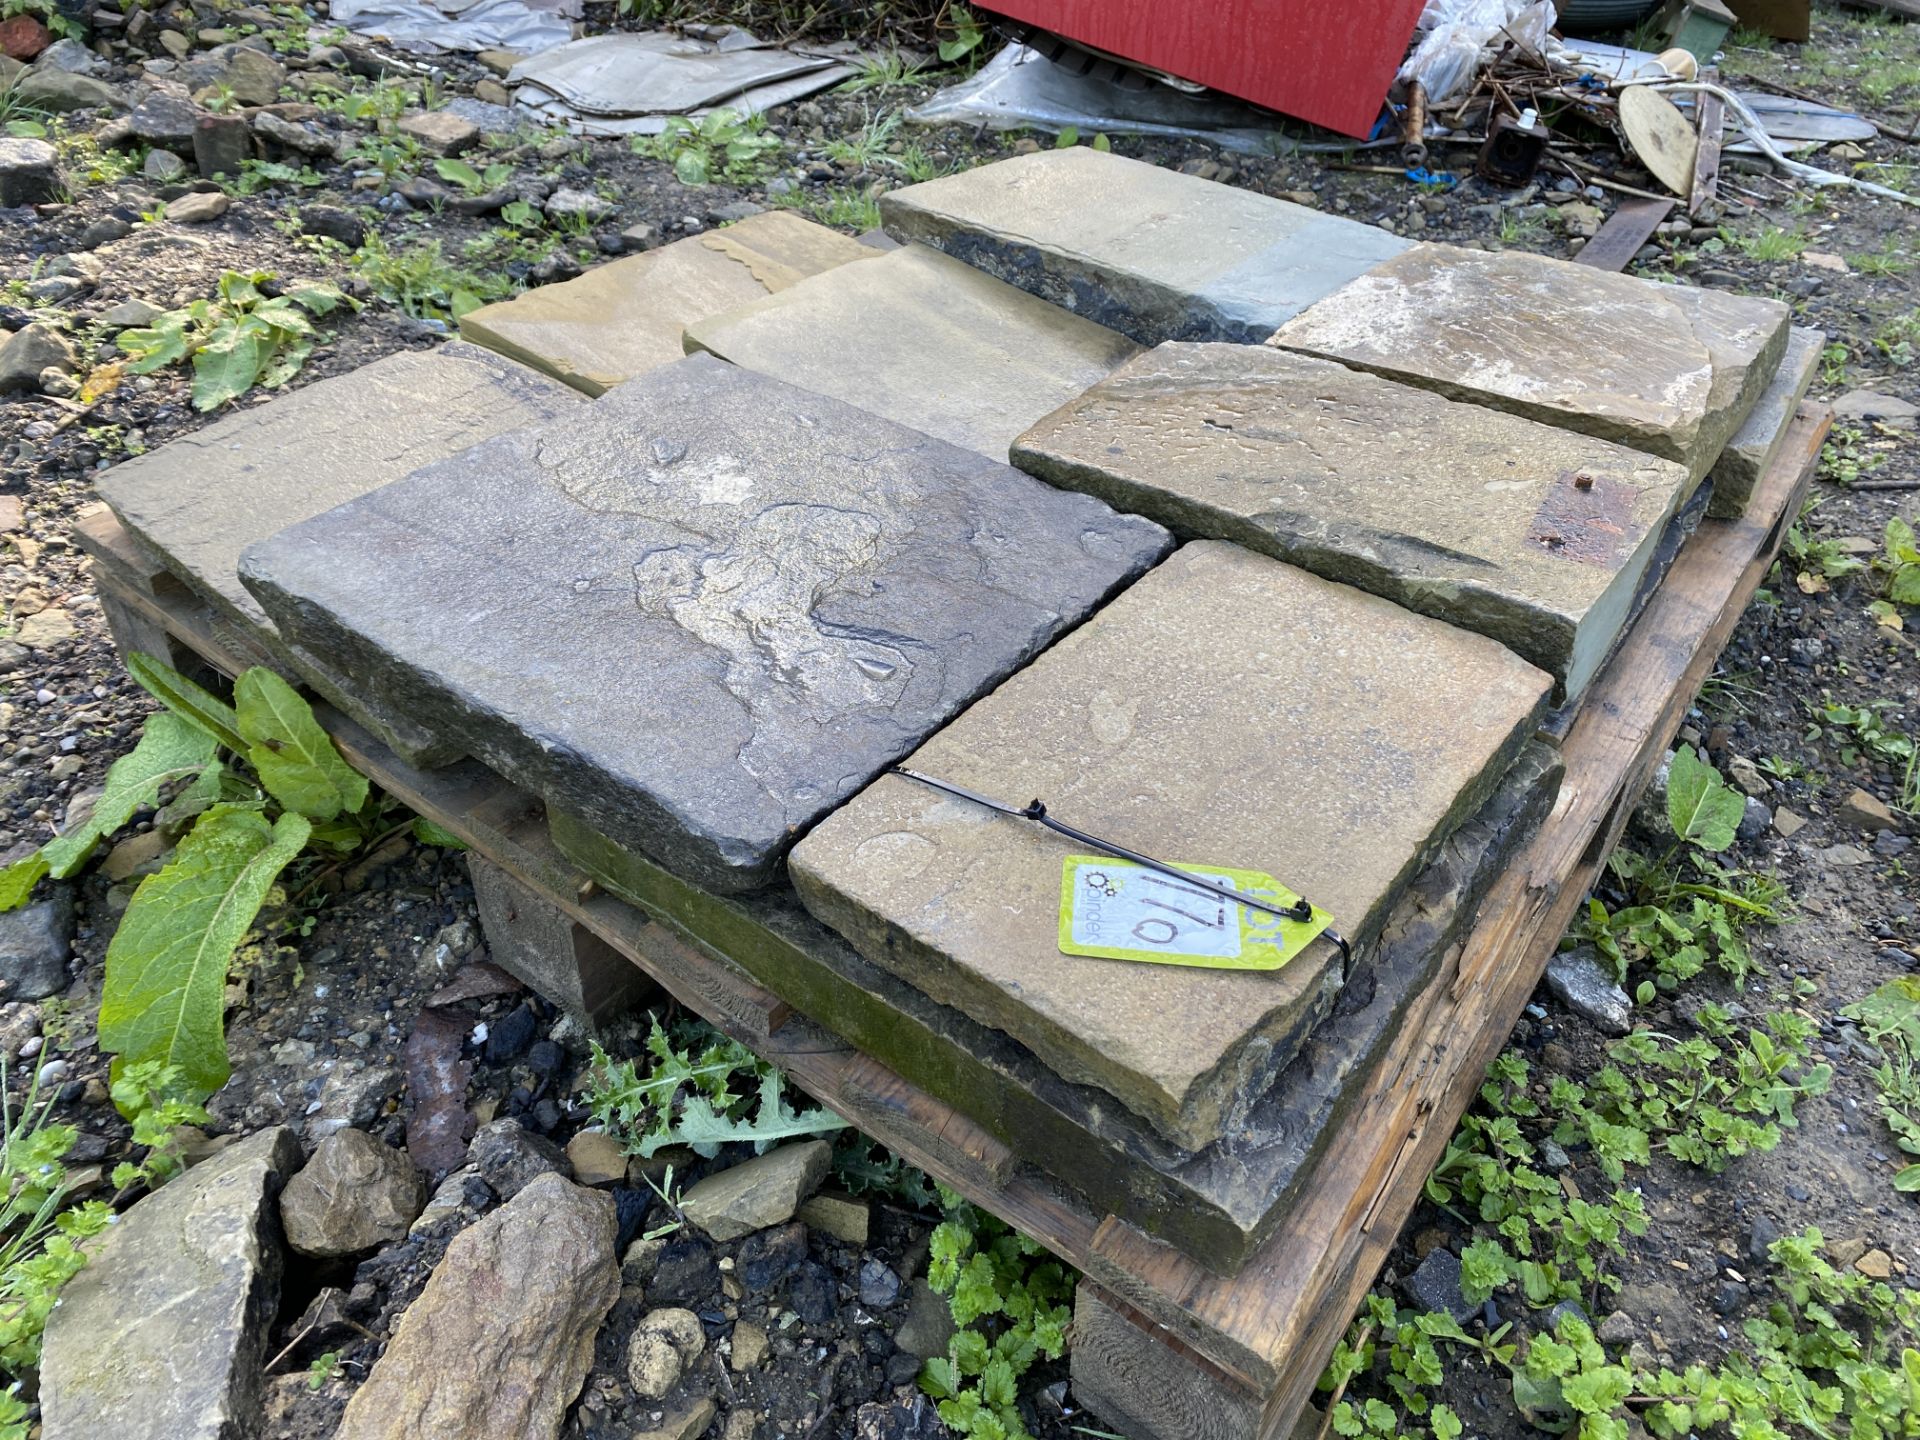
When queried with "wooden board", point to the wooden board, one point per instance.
{"points": [[1269, 1330], [1626, 230], [1706, 165]]}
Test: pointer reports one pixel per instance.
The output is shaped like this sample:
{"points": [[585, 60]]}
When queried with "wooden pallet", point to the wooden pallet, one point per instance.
{"points": [[1163, 1348]]}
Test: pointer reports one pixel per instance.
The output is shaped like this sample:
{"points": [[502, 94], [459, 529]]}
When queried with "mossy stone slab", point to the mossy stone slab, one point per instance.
{"points": [[923, 339], [701, 611], [625, 318], [1669, 369], [1228, 710], [1526, 532], [1219, 1203], [196, 502], [1751, 452], [1149, 252]]}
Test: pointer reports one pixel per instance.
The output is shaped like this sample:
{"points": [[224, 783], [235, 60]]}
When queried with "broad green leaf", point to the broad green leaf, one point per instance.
{"points": [[198, 798], [170, 749], [428, 833], [459, 173], [1702, 807], [1907, 1179], [1904, 587], [321, 297], [157, 346], [188, 700], [18, 879], [167, 966], [225, 367], [690, 167], [293, 756]]}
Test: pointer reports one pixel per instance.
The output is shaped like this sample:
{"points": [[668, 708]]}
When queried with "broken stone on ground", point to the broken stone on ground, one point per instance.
{"points": [[1531, 534], [624, 319], [1149, 252], [501, 1339], [922, 339], [1669, 369], [162, 1335], [1225, 710], [700, 612]]}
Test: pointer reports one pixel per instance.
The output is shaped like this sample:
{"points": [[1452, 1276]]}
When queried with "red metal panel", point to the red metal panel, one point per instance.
{"points": [[1328, 61]]}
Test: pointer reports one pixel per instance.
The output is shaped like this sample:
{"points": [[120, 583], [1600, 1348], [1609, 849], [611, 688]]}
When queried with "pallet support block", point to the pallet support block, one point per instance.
{"points": [[543, 947]]}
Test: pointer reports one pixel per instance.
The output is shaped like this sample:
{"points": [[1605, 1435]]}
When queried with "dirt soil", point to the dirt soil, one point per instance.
{"points": [[322, 1010]]}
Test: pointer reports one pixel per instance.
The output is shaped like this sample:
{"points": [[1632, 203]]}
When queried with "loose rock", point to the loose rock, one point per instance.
{"points": [[198, 208], [664, 1343], [25, 353], [1578, 980], [163, 1335], [1866, 811], [597, 1158], [29, 171], [354, 1194], [761, 1192], [509, 1157], [501, 1339], [34, 945]]}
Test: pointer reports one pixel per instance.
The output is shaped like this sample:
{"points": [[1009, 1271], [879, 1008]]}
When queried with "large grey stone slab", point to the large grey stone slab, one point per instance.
{"points": [[1225, 710], [1217, 1203], [624, 319], [702, 611], [1668, 369], [163, 1334], [1529, 533], [1752, 450], [1152, 253], [195, 503], [924, 339]]}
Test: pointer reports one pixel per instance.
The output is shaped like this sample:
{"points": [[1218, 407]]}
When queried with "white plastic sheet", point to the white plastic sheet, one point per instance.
{"points": [[1456, 35], [1021, 87], [628, 83], [427, 28]]}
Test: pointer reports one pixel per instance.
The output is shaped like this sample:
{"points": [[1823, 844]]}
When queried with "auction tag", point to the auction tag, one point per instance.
{"points": [[1117, 910]]}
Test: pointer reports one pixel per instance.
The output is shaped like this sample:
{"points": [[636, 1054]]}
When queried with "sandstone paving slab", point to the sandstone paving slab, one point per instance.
{"points": [[923, 339], [1753, 448], [701, 611], [1226, 710], [1669, 369], [195, 503], [625, 318], [163, 1334], [1217, 1203], [1152, 253], [1526, 532]]}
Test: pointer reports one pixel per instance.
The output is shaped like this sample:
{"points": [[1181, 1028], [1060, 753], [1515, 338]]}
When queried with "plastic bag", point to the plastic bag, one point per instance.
{"points": [[1457, 34], [1020, 87]]}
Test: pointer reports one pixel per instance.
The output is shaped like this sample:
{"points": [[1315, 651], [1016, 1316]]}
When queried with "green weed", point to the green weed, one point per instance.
{"points": [[259, 781], [688, 1096], [865, 148], [890, 70], [1010, 1301], [721, 145], [1771, 244], [842, 206], [242, 337], [1890, 1019]]}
